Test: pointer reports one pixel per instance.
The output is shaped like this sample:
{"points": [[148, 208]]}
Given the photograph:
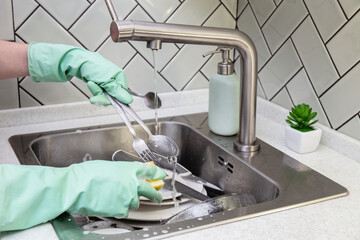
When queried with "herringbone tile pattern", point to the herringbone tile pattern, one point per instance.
{"points": [[309, 51]]}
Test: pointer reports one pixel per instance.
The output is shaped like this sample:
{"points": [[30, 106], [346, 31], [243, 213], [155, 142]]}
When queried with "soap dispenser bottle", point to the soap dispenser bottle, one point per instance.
{"points": [[224, 97]]}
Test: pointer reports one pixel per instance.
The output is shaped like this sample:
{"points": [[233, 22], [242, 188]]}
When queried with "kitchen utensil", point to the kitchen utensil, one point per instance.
{"points": [[149, 98], [121, 155], [138, 144], [214, 205], [188, 188], [160, 144]]}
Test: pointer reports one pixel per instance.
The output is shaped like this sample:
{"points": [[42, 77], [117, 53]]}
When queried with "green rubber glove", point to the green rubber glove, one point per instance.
{"points": [[30, 195], [58, 63]]}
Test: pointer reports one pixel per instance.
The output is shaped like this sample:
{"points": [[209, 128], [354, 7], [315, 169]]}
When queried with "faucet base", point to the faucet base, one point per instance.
{"points": [[246, 147]]}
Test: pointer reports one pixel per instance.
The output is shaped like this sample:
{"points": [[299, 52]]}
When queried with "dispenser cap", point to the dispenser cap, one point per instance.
{"points": [[226, 67]]}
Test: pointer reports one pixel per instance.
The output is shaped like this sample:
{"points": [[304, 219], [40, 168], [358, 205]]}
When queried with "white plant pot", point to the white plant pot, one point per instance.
{"points": [[302, 142]]}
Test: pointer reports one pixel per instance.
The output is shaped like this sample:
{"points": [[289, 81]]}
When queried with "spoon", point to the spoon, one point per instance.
{"points": [[149, 98], [160, 144]]}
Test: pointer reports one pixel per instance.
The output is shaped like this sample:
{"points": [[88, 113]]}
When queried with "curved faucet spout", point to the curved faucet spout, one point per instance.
{"points": [[174, 33]]}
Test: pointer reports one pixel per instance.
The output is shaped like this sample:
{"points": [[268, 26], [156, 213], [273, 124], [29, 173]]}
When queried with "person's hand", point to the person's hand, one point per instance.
{"points": [[58, 63], [30, 195]]}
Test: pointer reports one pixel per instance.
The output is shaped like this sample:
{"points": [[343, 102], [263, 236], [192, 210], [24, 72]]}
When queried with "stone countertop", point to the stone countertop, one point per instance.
{"points": [[338, 158]]}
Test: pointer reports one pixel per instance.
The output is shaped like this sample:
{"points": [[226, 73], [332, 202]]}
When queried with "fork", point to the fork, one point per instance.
{"points": [[138, 144]]}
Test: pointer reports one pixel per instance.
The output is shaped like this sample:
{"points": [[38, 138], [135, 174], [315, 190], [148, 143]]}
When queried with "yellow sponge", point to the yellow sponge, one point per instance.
{"points": [[157, 184]]}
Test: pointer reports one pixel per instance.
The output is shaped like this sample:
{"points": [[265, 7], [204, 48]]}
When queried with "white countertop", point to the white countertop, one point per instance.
{"points": [[338, 158]]}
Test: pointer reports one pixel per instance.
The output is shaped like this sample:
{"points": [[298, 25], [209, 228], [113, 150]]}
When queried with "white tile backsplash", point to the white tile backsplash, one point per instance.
{"points": [[193, 12], [350, 6], [22, 9], [327, 15], [159, 10], [301, 91], [344, 47], [65, 11], [352, 128], [9, 93], [53, 92], [41, 27], [197, 82], [262, 9], [314, 56], [342, 101], [283, 22], [284, 64], [185, 64], [283, 99], [6, 16], [26, 100]]}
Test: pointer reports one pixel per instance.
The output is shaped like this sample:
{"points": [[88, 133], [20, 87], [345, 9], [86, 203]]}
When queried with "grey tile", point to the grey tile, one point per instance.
{"points": [[231, 6], [342, 101], [65, 11], [283, 22], [164, 55], [118, 53], [314, 56], [185, 64], [283, 99], [26, 100], [193, 12], [301, 91], [160, 10], [6, 20], [262, 9], [53, 92], [140, 77], [327, 16], [247, 24], [260, 91], [345, 46], [22, 9], [352, 128], [9, 93], [350, 6], [241, 6], [277, 2], [41, 27], [221, 18], [197, 82], [93, 27], [283, 65]]}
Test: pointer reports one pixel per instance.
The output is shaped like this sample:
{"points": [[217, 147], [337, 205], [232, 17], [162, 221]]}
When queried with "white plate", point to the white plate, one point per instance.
{"points": [[157, 213], [180, 199]]}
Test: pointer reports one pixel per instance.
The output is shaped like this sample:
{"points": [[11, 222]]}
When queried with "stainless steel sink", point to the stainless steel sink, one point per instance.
{"points": [[277, 181]]}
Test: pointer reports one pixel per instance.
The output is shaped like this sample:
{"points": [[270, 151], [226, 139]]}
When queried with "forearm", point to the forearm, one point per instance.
{"points": [[13, 60]]}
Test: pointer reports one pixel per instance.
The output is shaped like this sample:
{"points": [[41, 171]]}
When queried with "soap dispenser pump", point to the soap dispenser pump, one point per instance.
{"points": [[224, 97]]}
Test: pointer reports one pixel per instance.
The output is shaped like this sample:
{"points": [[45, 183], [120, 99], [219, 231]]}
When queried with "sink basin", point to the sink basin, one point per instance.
{"points": [[277, 181]]}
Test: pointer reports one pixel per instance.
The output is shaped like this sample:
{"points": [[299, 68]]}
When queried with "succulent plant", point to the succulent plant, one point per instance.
{"points": [[300, 117]]}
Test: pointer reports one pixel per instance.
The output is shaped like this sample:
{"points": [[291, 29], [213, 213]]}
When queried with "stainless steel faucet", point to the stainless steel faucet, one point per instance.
{"points": [[156, 33]]}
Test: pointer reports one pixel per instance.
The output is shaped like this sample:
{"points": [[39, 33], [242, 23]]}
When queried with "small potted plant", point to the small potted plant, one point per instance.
{"points": [[301, 135]]}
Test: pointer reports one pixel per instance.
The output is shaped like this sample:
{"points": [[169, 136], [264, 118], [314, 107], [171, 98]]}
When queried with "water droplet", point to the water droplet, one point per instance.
{"points": [[155, 233], [145, 229], [146, 235], [187, 226], [200, 218], [164, 231], [180, 228], [86, 232]]}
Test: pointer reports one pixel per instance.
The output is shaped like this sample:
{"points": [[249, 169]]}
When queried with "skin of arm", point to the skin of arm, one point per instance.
{"points": [[13, 60]]}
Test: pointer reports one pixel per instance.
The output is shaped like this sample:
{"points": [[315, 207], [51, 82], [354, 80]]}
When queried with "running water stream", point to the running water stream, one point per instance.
{"points": [[172, 160]]}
